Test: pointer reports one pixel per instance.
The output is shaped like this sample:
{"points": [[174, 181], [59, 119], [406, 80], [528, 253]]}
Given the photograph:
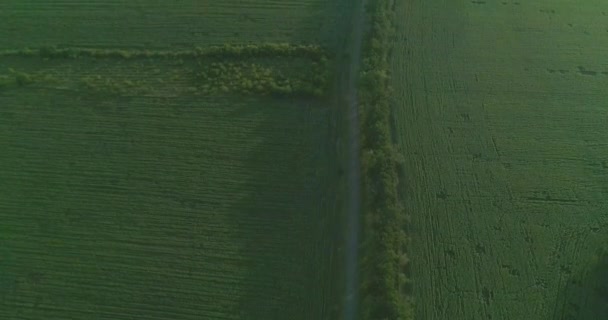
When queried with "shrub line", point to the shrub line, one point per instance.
{"points": [[313, 52], [383, 260]]}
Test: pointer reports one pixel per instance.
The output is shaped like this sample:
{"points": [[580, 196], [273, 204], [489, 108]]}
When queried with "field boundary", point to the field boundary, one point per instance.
{"points": [[314, 52], [353, 218], [242, 69], [383, 259]]}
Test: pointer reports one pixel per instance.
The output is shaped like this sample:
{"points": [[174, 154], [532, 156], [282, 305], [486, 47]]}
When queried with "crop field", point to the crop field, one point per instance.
{"points": [[183, 208], [170, 161], [501, 114], [182, 23]]}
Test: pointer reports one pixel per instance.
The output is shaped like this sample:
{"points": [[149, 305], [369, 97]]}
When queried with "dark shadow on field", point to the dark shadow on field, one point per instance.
{"points": [[307, 283], [316, 290], [586, 294], [258, 244], [291, 274]]}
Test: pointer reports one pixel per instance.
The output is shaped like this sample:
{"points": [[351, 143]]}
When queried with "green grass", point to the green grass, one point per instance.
{"points": [[504, 138], [182, 208]]}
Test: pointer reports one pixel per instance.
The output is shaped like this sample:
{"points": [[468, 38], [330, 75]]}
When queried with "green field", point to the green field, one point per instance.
{"points": [[501, 113], [182, 23], [189, 208], [201, 160], [145, 183]]}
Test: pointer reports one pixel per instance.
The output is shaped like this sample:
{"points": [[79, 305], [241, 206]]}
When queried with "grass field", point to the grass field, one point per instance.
{"points": [[501, 112], [132, 189]]}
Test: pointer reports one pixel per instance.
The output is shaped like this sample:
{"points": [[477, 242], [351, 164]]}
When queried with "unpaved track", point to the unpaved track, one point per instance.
{"points": [[354, 167]]}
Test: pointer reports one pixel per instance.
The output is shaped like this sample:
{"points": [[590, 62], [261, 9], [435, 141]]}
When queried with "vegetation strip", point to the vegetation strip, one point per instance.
{"points": [[313, 52], [244, 69], [383, 260]]}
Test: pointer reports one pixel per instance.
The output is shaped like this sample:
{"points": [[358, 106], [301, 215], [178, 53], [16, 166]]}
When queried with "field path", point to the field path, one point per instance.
{"points": [[354, 167]]}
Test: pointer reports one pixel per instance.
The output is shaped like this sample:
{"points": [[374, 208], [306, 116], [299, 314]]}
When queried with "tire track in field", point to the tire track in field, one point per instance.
{"points": [[354, 166], [495, 237]]}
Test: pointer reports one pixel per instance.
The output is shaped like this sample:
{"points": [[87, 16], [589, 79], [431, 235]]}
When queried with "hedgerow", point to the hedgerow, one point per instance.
{"points": [[383, 259], [253, 78], [17, 78], [221, 69], [313, 52]]}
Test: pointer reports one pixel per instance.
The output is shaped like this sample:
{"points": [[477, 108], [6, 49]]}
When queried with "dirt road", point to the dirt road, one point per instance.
{"points": [[354, 167]]}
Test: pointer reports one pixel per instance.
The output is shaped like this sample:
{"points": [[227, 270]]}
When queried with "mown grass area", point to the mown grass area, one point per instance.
{"points": [[500, 115], [164, 208]]}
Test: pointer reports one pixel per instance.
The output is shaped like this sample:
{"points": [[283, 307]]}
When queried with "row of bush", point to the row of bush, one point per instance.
{"points": [[109, 85], [383, 259], [20, 79], [246, 78], [300, 77], [222, 75], [210, 78], [268, 50]]}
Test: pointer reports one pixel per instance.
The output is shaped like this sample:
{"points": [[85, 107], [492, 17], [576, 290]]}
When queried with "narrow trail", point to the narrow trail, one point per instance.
{"points": [[354, 166]]}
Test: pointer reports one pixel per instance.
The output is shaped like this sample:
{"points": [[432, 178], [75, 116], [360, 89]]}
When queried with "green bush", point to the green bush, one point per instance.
{"points": [[384, 240], [223, 76], [230, 51], [6, 81], [253, 78], [21, 78]]}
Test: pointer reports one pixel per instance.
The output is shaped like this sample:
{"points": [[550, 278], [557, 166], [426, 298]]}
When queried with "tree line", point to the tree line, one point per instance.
{"points": [[383, 259]]}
